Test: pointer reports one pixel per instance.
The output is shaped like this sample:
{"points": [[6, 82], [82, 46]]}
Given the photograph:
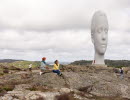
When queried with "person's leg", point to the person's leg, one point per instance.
{"points": [[58, 72], [121, 76], [42, 71], [54, 71]]}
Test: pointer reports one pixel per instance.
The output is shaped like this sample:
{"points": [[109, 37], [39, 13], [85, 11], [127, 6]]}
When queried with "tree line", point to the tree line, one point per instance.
{"points": [[109, 63]]}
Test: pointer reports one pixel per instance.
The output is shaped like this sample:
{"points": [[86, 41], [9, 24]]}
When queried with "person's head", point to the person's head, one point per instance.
{"points": [[44, 58], [56, 62], [99, 30]]}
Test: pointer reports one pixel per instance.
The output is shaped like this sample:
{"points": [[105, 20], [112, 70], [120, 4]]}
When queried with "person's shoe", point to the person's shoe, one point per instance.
{"points": [[40, 73], [60, 74]]}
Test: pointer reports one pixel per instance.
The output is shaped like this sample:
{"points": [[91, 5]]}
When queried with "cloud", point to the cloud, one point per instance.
{"points": [[38, 41], [31, 29], [57, 15]]}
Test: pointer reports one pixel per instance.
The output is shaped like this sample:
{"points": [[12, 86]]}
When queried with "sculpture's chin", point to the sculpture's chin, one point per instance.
{"points": [[102, 51]]}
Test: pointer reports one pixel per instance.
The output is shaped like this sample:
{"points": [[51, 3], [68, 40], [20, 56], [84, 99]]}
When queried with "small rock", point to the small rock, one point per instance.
{"points": [[65, 90]]}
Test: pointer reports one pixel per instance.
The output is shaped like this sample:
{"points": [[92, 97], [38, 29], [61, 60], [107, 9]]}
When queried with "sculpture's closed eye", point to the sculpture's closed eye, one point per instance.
{"points": [[100, 30], [106, 30]]}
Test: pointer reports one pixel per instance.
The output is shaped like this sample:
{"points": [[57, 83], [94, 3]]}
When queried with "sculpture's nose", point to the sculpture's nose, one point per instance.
{"points": [[103, 36]]}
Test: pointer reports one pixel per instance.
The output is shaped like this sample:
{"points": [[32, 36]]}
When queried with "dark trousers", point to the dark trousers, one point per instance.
{"points": [[57, 71]]}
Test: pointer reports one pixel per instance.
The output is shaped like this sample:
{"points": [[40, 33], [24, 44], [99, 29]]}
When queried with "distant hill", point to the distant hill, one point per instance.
{"points": [[8, 60], [25, 63], [112, 63]]}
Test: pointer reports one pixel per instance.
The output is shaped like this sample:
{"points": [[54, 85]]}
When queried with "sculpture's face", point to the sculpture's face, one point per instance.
{"points": [[100, 34], [100, 39]]}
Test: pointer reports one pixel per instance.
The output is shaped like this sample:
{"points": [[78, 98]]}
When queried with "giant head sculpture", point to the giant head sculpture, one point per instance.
{"points": [[99, 35]]}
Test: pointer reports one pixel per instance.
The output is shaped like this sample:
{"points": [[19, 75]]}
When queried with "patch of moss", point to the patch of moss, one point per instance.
{"points": [[8, 87], [1, 73], [5, 88]]}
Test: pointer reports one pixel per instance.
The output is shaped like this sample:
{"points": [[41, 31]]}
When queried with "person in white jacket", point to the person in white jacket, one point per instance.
{"points": [[30, 67]]}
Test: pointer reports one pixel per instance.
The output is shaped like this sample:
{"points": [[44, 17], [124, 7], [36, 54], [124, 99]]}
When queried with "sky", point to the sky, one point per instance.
{"points": [[60, 29]]}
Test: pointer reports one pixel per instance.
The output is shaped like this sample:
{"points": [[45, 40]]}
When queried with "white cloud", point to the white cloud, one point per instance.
{"points": [[60, 29], [34, 40], [57, 14]]}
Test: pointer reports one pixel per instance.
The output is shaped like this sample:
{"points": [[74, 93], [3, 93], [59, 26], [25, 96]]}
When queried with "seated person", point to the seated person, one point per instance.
{"points": [[56, 68], [43, 66]]}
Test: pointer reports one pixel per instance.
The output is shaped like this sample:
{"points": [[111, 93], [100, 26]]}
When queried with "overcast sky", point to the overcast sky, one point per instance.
{"points": [[60, 29]]}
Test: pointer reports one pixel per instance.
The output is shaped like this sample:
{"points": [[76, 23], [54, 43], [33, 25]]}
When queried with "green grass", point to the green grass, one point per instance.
{"points": [[5, 87], [22, 64]]}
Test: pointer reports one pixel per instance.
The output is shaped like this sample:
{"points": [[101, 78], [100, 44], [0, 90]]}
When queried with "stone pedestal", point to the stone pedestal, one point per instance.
{"points": [[99, 65]]}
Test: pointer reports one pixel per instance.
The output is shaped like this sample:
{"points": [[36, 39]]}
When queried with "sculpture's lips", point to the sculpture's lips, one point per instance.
{"points": [[103, 45]]}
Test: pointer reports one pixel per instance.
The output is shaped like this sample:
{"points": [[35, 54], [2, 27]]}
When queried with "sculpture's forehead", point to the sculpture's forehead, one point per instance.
{"points": [[99, 14], [100, 17]]}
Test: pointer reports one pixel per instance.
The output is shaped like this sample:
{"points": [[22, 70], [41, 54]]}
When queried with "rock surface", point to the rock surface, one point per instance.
{"points": [[77, 83]]}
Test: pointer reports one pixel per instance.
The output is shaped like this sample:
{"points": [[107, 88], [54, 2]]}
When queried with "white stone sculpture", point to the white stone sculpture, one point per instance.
{"points": [[99, 35]]}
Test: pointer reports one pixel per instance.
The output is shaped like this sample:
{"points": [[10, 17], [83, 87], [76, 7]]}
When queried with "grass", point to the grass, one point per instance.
{"points": [[8, 87], [22, 64], [4, 88], [1, 73]]}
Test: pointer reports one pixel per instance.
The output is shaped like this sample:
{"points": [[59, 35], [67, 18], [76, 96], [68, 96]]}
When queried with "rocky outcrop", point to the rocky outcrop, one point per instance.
{"points": [[77, 83]]}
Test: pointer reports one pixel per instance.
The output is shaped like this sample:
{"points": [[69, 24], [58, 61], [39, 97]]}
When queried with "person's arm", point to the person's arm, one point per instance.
{"points": [[47, 66], [59, 66]]}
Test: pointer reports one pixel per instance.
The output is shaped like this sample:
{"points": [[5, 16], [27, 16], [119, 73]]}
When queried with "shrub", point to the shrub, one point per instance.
{"points": [[40, 98], [5, 70], [4, 88], [66, 96]]}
